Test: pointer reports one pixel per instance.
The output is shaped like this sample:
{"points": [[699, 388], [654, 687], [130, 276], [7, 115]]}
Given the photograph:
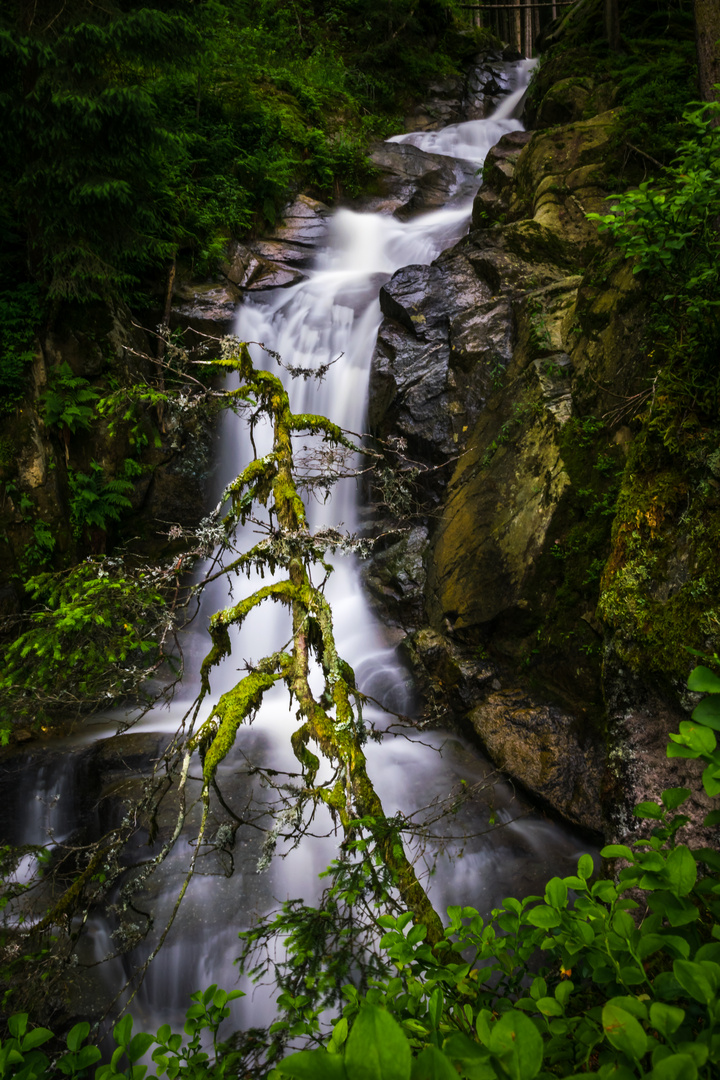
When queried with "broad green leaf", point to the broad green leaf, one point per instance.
{"points": [[675, 1067], [77, 1035], [651, 943], [666, 1018], [693, 980], [633, 1005], [543, 917], [17, 1024], [711, 781], [624, 1031], [681, 870], [518, 1043], [123, 1030], [617, 851], [313, 1065], [550, 1007], [556, 893], [586, 867], [702, 680], [377, 1048], [36, 1038], [672, 798], [648, 810], [708, 713], [86, 1057], [432, 1064], [139, 1045]]}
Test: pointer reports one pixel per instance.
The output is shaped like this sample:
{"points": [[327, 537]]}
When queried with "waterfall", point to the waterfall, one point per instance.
{"points": [[331, 318]]}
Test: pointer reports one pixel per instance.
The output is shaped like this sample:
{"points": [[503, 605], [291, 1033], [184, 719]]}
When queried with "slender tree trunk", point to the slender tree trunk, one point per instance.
{"points": [[707, 39], [612, 23]]}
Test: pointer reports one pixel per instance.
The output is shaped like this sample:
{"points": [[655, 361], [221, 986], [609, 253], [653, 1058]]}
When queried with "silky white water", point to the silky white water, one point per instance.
{"points": [[331, 318]]}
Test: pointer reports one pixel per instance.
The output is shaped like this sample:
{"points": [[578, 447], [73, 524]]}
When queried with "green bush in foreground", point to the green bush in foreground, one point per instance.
{"points": [[619, 980]]}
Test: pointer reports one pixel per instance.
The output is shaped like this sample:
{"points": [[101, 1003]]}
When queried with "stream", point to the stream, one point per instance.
{"points": [[331, 318]]}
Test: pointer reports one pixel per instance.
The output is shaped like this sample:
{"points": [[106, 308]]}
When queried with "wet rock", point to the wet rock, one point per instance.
{"points": [[279, 258], [546, 750], [493, 199], [411, 180], [209, 308], [564, 103], [396, 576], [455, 100], [425, 381], [450, 673]]}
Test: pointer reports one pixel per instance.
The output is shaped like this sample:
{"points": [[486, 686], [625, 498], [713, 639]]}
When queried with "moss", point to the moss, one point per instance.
{"points": [[564, 654], [231, 710], [661, 586]]}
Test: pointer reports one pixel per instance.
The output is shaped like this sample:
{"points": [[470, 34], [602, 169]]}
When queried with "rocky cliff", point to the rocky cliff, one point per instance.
{"points": [[552, 534]]}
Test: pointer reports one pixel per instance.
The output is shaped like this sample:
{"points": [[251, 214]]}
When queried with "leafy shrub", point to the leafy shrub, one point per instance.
{"points": [[69, 402], [22, 1058], [584, 979], [20, 314], [94, 501], [88, 636]]}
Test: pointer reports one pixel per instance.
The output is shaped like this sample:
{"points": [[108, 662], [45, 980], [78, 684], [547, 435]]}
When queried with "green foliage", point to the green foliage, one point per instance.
{"points": [[583, 979], [142, 131], [669, 226], [88, 630], [94, 501], [69, 401], [20, 314], [22, 1059]]}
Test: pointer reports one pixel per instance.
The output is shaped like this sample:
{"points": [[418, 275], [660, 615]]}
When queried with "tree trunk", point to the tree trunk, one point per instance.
{"points": [[612, 23], [707, 39]]}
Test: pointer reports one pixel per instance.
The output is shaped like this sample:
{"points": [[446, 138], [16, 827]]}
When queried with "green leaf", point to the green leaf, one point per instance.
{"points": [[550, 1007], [617, 851], [17, 1024], [586, 867], [672, 798], [139, 1045], [624, 1031], [633, 1005], [313, 1065], [648, 810], [556, 893], [543, 916], [123, 1030], [708, 713], [36, 1038], [432, 1064], [675, 1067], [693, 980], [702, 680], [666, 1018], [77, 1035], [377, 1048], [518, 1043], [681, 870]]}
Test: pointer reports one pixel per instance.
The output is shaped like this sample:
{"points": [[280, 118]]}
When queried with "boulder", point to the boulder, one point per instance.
{"points": [[410, 180], [547, 751]]}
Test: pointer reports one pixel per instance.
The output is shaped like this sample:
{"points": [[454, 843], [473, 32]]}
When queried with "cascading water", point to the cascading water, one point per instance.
{"points": [[332, 318]]}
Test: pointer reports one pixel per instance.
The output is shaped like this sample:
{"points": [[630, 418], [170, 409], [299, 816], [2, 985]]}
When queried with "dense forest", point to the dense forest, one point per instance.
{"points": [[144, 143]]}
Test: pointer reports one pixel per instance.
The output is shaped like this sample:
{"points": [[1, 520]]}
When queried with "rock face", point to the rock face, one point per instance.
{"points": [[506, 363], [411, 181], [279, 259], [453, 101]]}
